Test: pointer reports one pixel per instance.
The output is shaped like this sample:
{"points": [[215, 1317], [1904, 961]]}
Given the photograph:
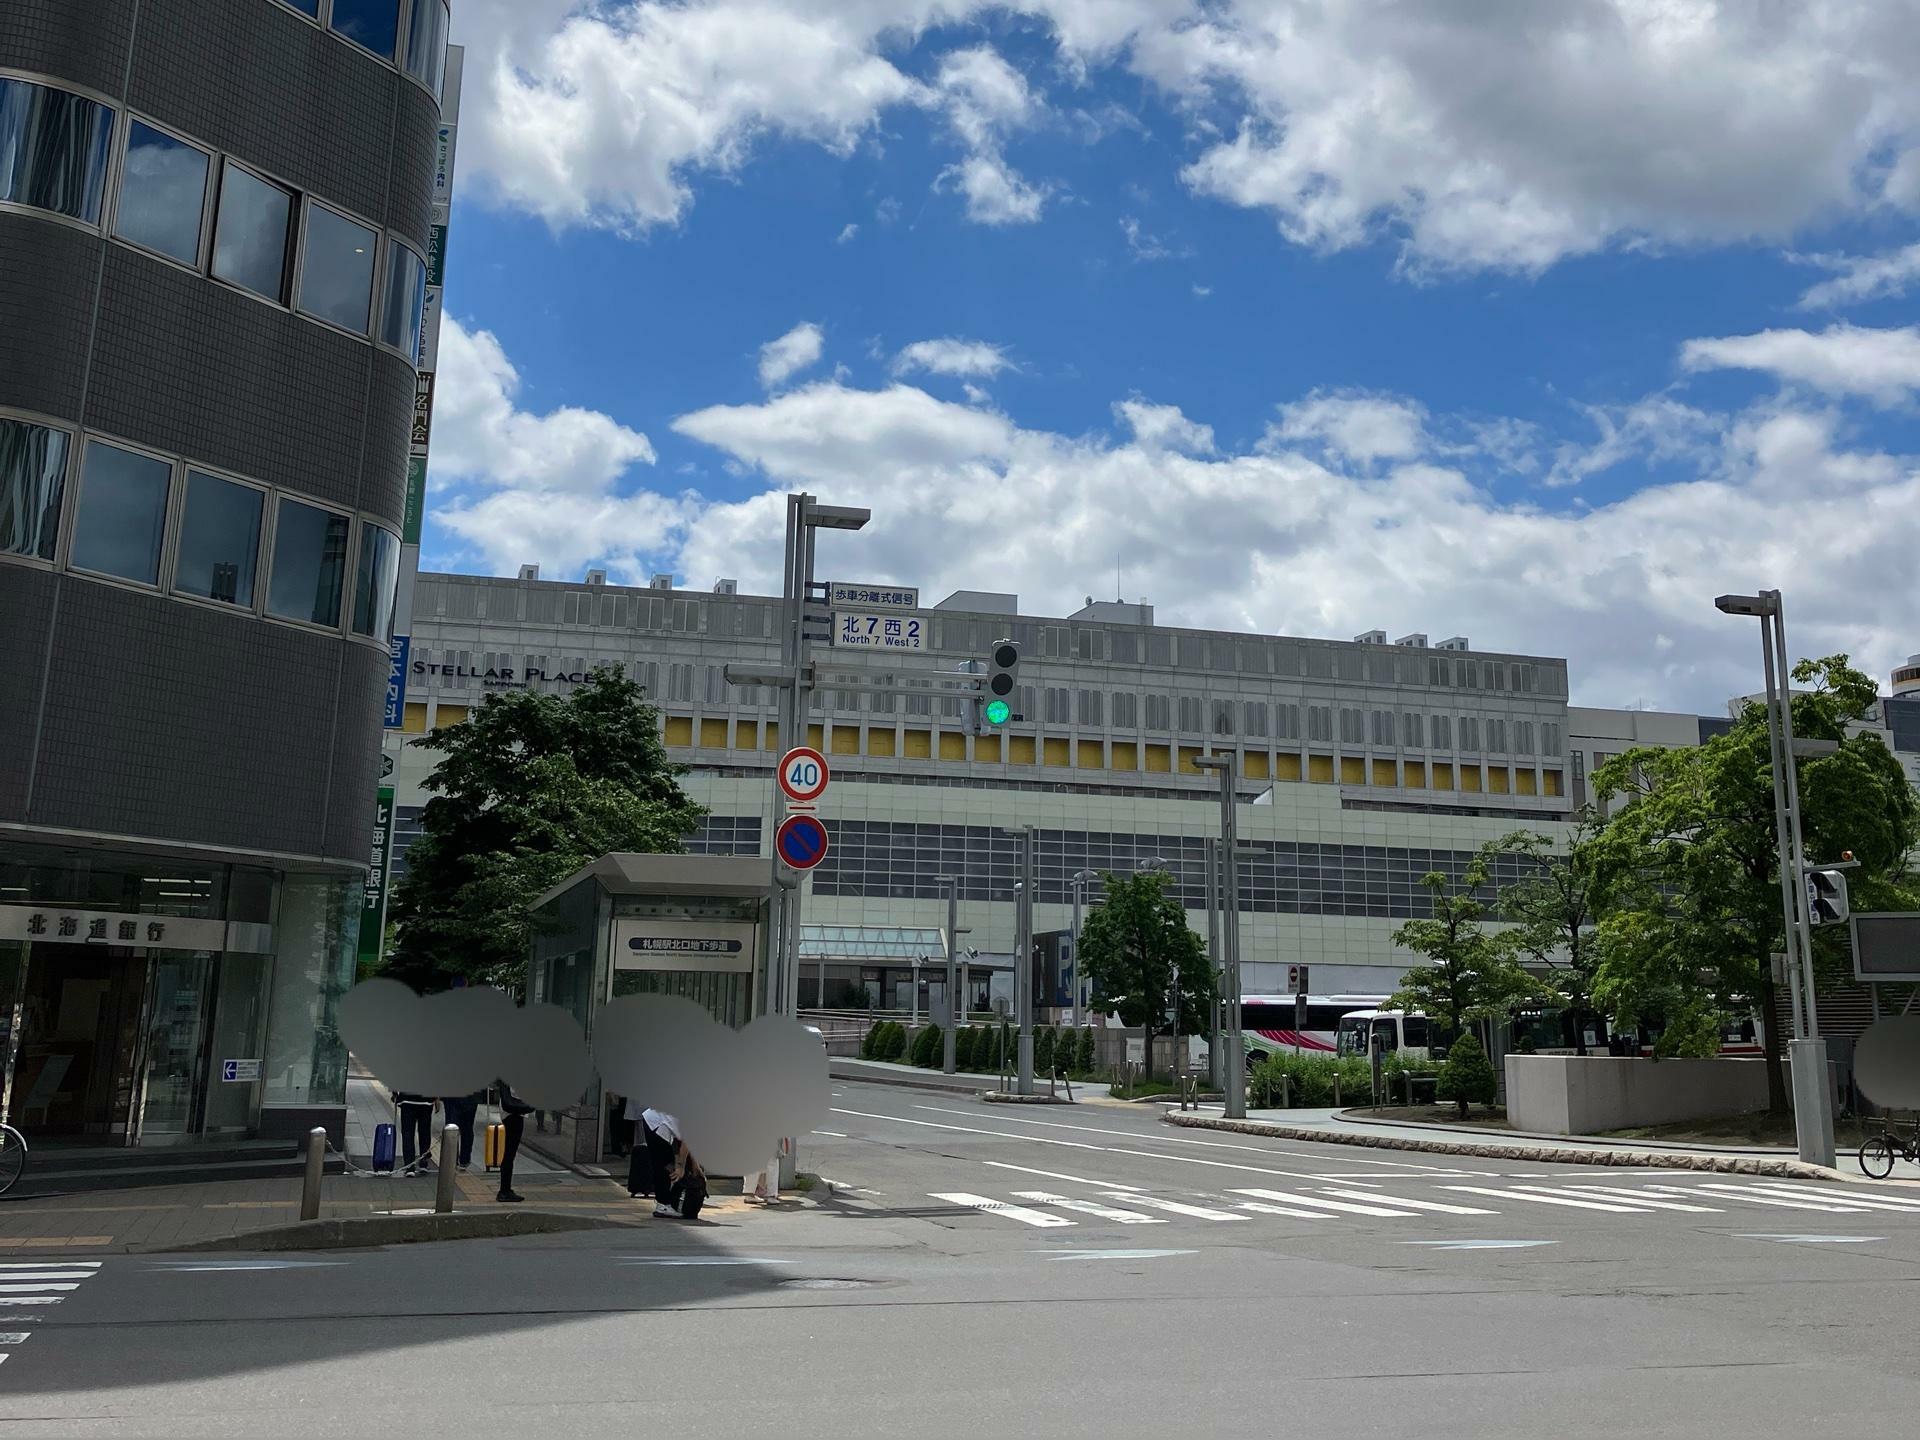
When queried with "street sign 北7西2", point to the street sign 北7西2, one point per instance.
{"points": [[868, 630]]}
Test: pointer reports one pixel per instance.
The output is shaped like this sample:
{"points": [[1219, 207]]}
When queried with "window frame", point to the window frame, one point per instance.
{"points": [[383, 281], [404, 60], [110, 181], [308, 204], [296, 234], [70, 524], [271, 531], [402, 13], [202, 264], [69, 485], [363, 520], [263, 543]]}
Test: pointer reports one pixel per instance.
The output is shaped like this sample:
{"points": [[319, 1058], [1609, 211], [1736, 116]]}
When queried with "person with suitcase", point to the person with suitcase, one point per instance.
{"points": [[679, 1184], [416, 1129]]}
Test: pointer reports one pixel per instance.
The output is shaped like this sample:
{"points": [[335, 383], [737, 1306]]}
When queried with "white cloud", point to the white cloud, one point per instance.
{"points": [[847, 232], [1201, 292], [1490, 135], [1858, 278], [1164, 427], [995, 192], [1279, 541], [950, 356], [1144, 245], [1656, 428], [975, 395], [1883, 365], [481, 435], [565, 533], [985, 99], [1357, 424], [799, 348]]}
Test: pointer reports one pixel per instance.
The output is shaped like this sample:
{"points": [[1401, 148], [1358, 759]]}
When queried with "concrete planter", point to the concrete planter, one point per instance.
{"points": [[1583, 1095]]}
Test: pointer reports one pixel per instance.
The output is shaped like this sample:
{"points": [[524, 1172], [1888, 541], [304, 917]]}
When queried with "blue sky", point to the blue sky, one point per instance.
{"points": [[1536, 325]]}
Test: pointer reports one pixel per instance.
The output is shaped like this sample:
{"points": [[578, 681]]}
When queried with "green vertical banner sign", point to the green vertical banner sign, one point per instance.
{"points": [[437, 256], [373, 904], [416, 508]]}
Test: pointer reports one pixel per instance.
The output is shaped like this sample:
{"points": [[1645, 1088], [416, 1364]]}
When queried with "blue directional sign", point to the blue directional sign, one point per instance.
{"points": [[801, 842]]}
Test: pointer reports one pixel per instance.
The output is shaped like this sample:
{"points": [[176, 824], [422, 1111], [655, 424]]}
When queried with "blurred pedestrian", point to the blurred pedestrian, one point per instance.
{"points": [[673, 1163], [639, 1157], [416, 1128], [513, 1121], [460, 1111]]}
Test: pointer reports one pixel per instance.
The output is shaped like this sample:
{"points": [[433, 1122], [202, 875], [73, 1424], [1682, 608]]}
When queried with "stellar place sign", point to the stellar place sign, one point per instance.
{"points": [[502, 674]]}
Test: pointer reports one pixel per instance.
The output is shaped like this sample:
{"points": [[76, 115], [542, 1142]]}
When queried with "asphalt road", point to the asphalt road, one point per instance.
{"points": [[990, 1270]]}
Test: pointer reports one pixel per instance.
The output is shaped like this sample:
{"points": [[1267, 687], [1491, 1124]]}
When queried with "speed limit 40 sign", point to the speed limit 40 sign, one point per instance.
{"points": [[803, 774]]}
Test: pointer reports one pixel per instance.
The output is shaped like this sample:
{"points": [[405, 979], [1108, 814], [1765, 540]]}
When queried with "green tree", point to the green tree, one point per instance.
{"points": [[1554, 908], [1043, 1050], [526, 791], [1692, 850], [1470, 974], [1466, 1076], [1133, 946], [1086, 1051]]}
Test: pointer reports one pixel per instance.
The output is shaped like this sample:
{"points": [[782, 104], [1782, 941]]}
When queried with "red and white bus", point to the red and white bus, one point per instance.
{"points": [[1268, 1023]]}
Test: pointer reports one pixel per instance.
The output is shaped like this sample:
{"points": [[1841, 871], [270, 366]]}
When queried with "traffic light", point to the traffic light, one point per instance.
{"points": [[1826, 897], [997, 696]]}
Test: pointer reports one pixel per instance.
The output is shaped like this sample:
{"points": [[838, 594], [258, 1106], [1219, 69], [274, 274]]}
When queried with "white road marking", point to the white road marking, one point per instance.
{"points": [[1000, 1207], [1444, 1209], [1847, 1197], [1640, 1197], [1262, 1208], [1198, 1212], [14, 1337], [1116, 1254], [49, 1274], [1737, 1192], [1312, 1203], [210, 1267], [1520, 1192], [1479, 1244], [1818, 1239], [1091, 1207], [836, 1134], [39, 1287], [49, 1264], [702, 1260], [1212, 1144], [1055, 1175], [29, 1300]]}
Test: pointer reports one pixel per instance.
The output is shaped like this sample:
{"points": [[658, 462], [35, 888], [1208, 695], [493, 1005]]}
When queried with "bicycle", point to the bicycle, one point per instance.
{"points": [[1877, 1152], [13, 1156]]}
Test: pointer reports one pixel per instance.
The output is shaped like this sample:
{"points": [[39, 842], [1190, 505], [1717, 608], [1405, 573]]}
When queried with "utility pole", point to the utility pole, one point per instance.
{"points": [[1023, 953], [1236, 1056], [1216, 1044], [1079, 887], [948, 1063]]}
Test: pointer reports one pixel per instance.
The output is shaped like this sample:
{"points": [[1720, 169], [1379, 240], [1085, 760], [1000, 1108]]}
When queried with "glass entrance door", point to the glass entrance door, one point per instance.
{"points": [[79, 1012], [174, 1066]]}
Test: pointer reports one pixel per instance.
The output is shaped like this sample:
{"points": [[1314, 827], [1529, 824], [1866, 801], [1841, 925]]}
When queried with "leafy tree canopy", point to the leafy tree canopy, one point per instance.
{"points": [[527, 790], [1469, 974], [1132, 946]]}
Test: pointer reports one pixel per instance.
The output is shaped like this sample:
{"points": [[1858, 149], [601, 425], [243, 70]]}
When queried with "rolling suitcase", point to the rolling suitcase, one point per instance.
{"points": [[383, 1147], [496, 1145]]}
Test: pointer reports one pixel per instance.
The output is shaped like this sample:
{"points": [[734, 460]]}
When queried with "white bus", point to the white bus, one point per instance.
{"points": [[1268, 1023], [1410, 1033]]}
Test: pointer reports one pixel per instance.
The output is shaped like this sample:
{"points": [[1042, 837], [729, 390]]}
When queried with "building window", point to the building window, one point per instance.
{"points": [[1382, 721], [1469, 734], [1256, 719], [1222, 717], [1496, 737], [309, 564], [400, 317], [1092, 708], [163, 193], [1411, 732], [1352, 727], [1058, 712], [373, 584], [374, 24], [1442, 732], [1191, 718], [53, 150], [427, 44], [680, 682], [1319, 723], [219, 540], [336, 269], [1126, 710], [1523, 737], [33, 469], [1159, 715], [1286, 722], [121, 521], [1550, 739], [250, 233], [716, 684]]}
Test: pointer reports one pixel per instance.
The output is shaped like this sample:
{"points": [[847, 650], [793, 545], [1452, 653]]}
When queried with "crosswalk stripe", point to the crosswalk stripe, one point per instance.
{"points": [[1444, 1209], [49, 1264], [1517, 1193], [47, 1275], [1091, 1207], [37, 1287], [1198, 1212], [1640, 1197], [1312, 1203], [29, 1299], [1738, 1192], [1262, 1208], [1021, 1213], [14, 1337], [1809, 1192]]}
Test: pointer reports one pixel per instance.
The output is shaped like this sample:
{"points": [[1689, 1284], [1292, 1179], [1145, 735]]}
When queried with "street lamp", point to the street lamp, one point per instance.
{"points": [[1235, 1076], [1078, 884], [1812, 1100]]}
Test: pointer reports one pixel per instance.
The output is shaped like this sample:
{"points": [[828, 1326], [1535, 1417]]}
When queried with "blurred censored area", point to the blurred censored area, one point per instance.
{"points": [[735, 1092]]}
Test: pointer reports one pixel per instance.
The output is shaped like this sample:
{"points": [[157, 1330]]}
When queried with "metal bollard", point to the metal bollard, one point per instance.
{"points": [[1336, 1090], [449, 1164], [1286, 1092], [316, 1166]]}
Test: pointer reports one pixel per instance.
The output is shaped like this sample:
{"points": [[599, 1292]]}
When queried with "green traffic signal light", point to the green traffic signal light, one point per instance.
{"points": [[998, 712]]}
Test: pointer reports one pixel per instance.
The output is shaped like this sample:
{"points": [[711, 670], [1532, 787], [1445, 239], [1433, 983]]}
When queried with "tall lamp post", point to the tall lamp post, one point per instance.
{"points": [[1236, 1054], [948, 1062], [1812, 1097], [1078, 884]]}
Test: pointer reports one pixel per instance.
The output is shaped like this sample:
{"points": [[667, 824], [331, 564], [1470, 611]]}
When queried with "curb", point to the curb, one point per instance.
{"points": [[935, 1080], [1008, 1097], [1556, 1155], [1356, 1117], [363, 1232]]}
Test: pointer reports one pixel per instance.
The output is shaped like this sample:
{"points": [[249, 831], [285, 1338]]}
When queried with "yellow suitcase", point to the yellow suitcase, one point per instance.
{"points": [[496, 1145]]}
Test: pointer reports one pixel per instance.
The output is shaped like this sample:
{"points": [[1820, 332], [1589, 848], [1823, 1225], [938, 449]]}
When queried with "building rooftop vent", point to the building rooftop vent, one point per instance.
{"points": [[529, 572], [660, 582], [725, 586], [1453, 642], [1372, 637], [596, 577], [1415, 641]]}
